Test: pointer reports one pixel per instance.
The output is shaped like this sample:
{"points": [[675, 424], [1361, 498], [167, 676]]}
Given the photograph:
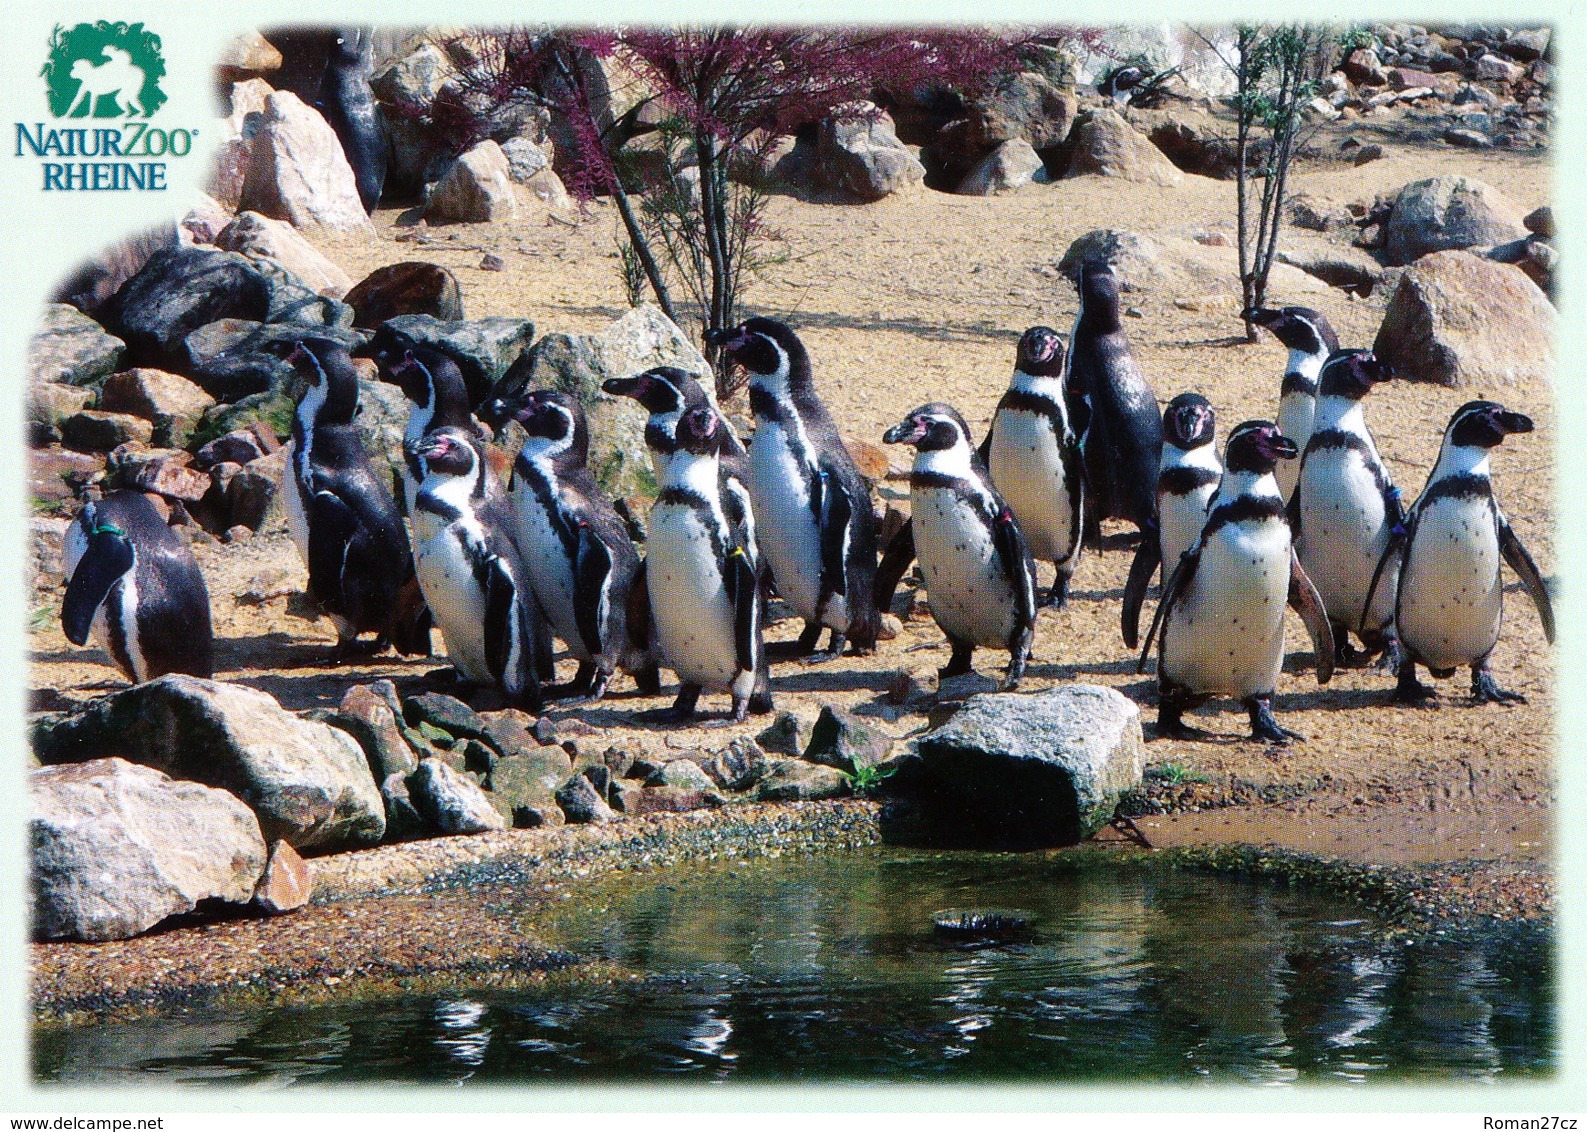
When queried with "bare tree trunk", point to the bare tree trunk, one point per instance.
{"points": [[710, 207], [1243, 81], [641, 246]]}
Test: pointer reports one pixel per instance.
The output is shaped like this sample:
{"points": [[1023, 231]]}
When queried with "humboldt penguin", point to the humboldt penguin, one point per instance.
{"points": [[133, 583], [1111, 408], [1186, 482], [1034, 458], [1310, 340], [1449, 603], [350, 107], [979, 574], [1345, 508], [582, 565], [438, 399], [812, 506], [341, 515], [706, 578], [1222, 612], [473, 579]]}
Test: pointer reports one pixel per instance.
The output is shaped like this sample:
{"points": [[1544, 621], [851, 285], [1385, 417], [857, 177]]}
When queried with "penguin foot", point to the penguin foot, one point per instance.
{"points": [[1485, 690], [1058, 596], [648, 680], [760, 703], [352, 648], [1410, 690], [808, 639], [833, 650], [1266, 729], [1176, 728], [1347, 655]]}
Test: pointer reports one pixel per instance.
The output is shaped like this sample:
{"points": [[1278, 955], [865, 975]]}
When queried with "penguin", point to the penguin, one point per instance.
{"points": [[979, 572], [1222, 613], [1187, 479], [1111, 408], [349, 106], [812, 506], [581, 564], [438, 399], [705, 578], [133, 583], [1034, 459], [341, 515], [1345, 508], [1310, 340], [1120, 84], [1449, 602], [472, 577]]}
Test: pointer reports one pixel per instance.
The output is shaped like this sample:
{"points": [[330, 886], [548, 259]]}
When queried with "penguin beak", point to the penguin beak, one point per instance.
{"points": [[1373, 368], [626, 386], [1510, 423], [728, 340], [1284, 448], [497, 411], [908, 431], [1262, 316]]}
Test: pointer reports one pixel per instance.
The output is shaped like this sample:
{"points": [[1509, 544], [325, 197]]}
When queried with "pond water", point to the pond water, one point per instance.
{"points": [[830, 968]]}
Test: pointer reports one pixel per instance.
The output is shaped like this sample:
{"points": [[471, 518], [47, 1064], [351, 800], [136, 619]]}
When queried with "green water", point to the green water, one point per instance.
{"points": [[829, 968]]}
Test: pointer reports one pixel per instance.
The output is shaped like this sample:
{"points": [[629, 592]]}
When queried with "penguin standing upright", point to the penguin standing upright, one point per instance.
{"points": [[1310, 340], [706, 578], [1034, 458], [581, 562], [1222, 613], [341, 515], [812, 506], [1345, 508], [1187, 479], [1449, 603], [438, 398], [349, 106], [469, 569], [1111, 408], [134, 584], [979, 573]]}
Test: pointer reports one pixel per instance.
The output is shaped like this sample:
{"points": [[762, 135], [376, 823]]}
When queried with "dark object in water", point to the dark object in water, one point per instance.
{"points": [[981, 928]]}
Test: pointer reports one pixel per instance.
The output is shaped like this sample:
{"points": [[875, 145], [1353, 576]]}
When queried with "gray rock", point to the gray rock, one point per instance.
{"points": [[1108, 146], [524, 786], [1467, 139], [172, 403], [298, 171], [1540, 221], [1012, 164], [582, 803], [841, 739], [477, 189], [95, 283], [253, 495], [1450, 212], [511, 732], [403, 820], [228, 357], [793, 780], [484, 348], [116, 848], [453, 803], [71, 348], [1497, 69], [1527, 44], [95, 431], [179, 290], [1032, 770], [308, 783], [240, 446], [448, 713], [860, 156], [787, 735], [50, 403], [685, 774], [737, 766], [259, 237]]}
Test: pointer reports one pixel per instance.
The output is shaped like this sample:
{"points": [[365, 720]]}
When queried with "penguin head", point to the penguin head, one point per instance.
{"points": [[1257, 446], [415, 377], [446, 451], [1484, 424], [1299, 328], [326, 367], [1352, 374], [662, 389], [1041, 352], [1188, 422], [555, 423], [931, 428], [1099, 296], [699, 432], [769, 351]]}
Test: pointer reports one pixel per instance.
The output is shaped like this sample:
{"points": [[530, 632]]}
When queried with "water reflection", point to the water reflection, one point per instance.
{"points": [[829, 969]]}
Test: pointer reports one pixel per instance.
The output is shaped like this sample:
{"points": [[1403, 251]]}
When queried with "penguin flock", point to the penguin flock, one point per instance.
{"points": [[505, 560]]}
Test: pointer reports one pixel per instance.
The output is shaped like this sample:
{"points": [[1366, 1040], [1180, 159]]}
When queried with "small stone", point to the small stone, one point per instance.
{"points": [[236, 534], [451, 716], [1368, 153], [738, 766], [840, 739], [287, 884], [510, 731], [965, 685], [492, 262], [787, 735], [451, 801], [792, 780], [582, 803], [1540, 221], [889, 628], [907, 686], [685, 774], [476, 189], [1467, 139]]}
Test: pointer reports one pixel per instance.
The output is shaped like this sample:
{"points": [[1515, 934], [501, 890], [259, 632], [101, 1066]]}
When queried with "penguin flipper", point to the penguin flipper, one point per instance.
{"points": [[507, 643], [836, 509], [740, 580], [1173, 589], [1292, 509], [108, 559], [1400, 535], [1305, 600], [1009, 542], [332, 528], [896, 558], [592, 577], [1148, 556], [1521, 562], [639, 607]]}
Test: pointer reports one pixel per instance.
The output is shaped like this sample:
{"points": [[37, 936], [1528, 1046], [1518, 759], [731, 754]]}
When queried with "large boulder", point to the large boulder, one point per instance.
{"points": [[116, 848], [230, 359], [1459, 319], [477, 189], [71, 348], [94, 283], [179, 290], [1027, 107], [171, 402], [1447, 212], [410, 287], [485, 349], [1173, 268], [1108, 146], [858, 155], [298, 172], [308, 783], [1012, 164], [259, 237], [1024, 771]]}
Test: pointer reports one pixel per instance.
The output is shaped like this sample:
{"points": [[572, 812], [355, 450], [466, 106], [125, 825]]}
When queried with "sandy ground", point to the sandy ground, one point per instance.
{"points": [[923, 298]]}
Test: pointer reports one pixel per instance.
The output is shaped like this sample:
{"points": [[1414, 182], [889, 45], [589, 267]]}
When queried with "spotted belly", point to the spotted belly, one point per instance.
{"points": [[1344, 530], [451, 591], [550, 571], [790, 540], [1451, 596], [1027, 467], [1225, 635], [970, 596], [688, 599]]}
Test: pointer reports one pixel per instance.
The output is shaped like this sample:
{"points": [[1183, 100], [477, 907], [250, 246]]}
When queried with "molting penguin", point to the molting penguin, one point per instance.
{"points": [[1345, 507], [706, 578], [1449, 604], [812, 506], [349, 106], [342, 517], [1222, 613], [1186, 482], [469, 569], [979, 574], [134, 584], [1111, 408], [1034, 458], [1310, 340], [581, 563]]}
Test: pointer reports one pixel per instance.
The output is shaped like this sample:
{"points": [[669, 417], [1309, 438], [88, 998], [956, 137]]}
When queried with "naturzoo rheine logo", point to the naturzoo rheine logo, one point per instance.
{"points": [[109, 74]]}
